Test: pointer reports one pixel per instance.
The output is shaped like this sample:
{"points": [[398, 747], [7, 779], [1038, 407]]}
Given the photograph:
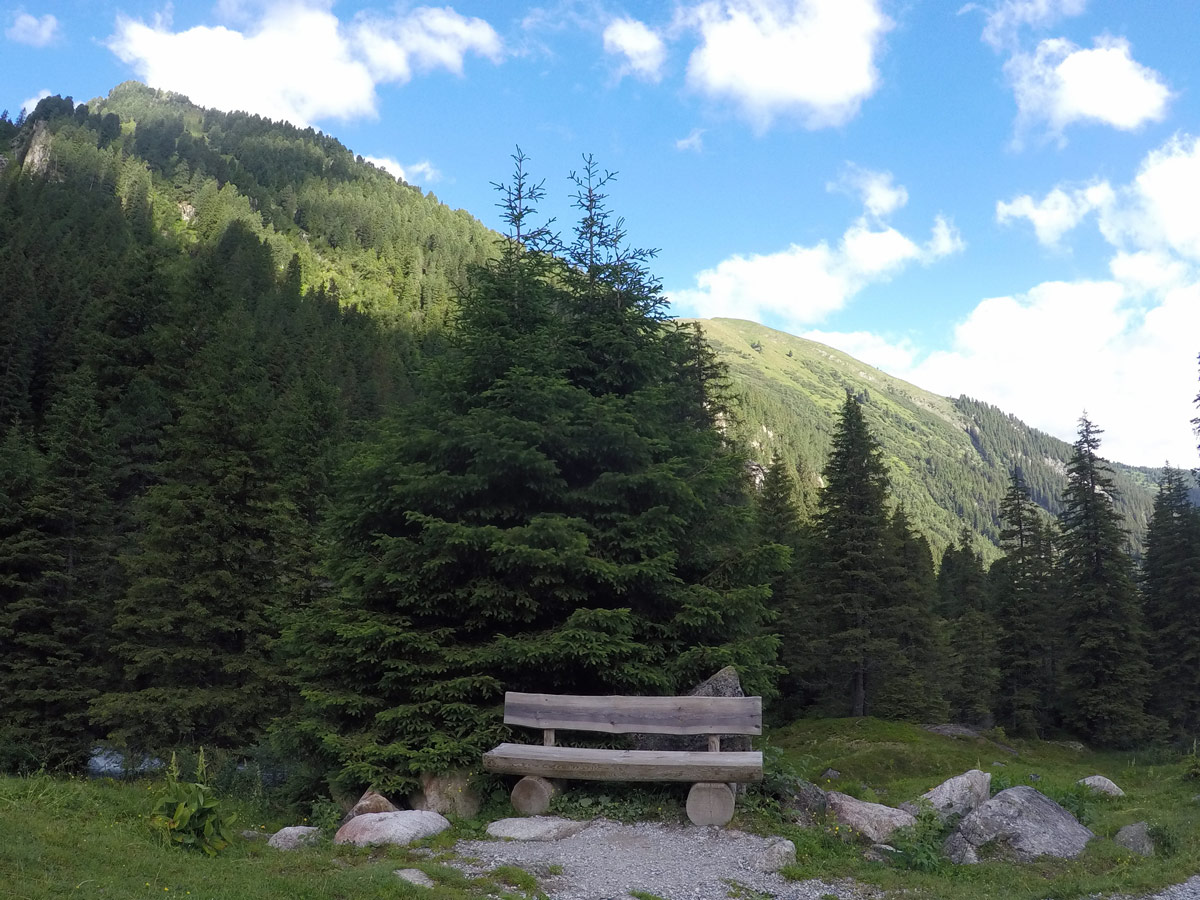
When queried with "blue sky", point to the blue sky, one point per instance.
{"points": [[1000, 199]]}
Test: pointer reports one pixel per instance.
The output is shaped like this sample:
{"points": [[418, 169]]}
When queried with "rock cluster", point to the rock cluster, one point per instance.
{"points": [[1021, 824]]}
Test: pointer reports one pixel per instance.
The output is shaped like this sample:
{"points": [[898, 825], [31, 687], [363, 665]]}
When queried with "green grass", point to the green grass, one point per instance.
{"points": [[75, 838], [891, 762]]}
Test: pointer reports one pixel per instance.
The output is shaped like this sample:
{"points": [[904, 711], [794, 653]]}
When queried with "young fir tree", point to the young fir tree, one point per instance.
{"points": [[909, 685], [55, 617], [1171, 596], [1106, 677], [971, 674], [1024, 596], [195, 629], [852, 566], [779, 522], [557, 513]]}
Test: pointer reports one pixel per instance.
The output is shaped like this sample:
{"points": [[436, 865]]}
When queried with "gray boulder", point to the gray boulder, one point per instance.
{"points": [[806, 805], [1136, 837], [956, 796], [536, 828], [399, 828], [880, 853], [874, 821], [294, 837], [369, 802], [1101, 785], [450, 794], [1023, 823]]}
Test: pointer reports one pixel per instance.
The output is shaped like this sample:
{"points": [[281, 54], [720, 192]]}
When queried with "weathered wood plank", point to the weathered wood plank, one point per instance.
{"points": [[622, 765], [635, 715]]}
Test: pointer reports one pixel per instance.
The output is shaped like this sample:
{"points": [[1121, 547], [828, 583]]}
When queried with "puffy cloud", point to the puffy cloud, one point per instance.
{"points": [[694, 141], [1158, 210], [297, 61], [1060, 84], [1006, 19], [643, 50], [803, 284], [879, 195], [32, 30], [877, 351], [811, 59], [423, 172], [1058, 212], [1132, 368]]}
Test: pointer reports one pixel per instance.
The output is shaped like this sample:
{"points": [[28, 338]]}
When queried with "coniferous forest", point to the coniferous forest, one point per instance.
{"points": [[294, 456]]}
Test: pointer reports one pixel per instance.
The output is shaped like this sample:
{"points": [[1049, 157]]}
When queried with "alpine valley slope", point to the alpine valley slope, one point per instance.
{"points": [[949, 460]]}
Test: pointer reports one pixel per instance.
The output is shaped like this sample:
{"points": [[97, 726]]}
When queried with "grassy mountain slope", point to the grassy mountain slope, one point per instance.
{"points": [[949, 460]]}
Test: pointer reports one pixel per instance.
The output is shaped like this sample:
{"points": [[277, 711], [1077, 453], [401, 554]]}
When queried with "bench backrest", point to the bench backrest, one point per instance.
{"points": [[635, 715]]}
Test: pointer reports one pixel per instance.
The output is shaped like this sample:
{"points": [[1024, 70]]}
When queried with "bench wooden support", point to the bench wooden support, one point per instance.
{"points": [[711, 799]]}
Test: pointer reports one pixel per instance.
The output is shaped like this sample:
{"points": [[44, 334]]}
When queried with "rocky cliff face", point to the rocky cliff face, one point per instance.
{"points": [[37, 157]]}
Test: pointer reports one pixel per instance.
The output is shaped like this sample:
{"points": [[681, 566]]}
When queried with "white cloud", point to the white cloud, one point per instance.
{"points": [[298, 61], [1006, 19], [811, 59], [31, 30], [874, 350], [879, 195], [423, 172], [31, 102], [643, 50], [1158, 210], [1058, 212], [1133, 370], [1123, 347], [694, 141], [803, 284], [1060, 84]]}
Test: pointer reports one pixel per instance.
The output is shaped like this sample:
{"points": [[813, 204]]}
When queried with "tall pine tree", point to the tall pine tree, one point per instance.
{"points": [[1106, 678]]}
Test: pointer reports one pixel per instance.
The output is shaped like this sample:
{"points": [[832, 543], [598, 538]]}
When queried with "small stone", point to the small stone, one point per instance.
{"points": [[1101, 785], [536, 828], [250, 834], [831, 773], [1136, 837], [776, 855], [294, 837], [414, 876], [1034, 776]]}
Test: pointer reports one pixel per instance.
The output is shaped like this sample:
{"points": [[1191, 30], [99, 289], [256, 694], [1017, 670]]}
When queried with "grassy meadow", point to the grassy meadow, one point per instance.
{"points": [[71, 837]]}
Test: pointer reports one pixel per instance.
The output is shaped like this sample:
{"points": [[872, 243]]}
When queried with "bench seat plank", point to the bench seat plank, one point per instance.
{"points": [[622, 765], [635, 715]]}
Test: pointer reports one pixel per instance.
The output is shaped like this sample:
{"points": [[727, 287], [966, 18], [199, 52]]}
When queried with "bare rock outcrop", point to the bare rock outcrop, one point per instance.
{"points": [[1023, 824], [874, 821]]}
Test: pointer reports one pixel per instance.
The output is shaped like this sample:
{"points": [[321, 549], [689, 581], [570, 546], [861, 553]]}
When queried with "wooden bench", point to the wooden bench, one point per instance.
{"points": [[711, 799]]}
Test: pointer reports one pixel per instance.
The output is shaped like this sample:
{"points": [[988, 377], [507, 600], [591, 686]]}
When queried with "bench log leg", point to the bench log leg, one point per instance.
{"points": [[710, 803], [532, 795]]}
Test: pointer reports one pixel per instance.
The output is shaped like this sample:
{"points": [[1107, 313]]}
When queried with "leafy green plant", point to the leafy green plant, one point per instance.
{"points": [[919, 845], [1079, 800], [326, 815], [189, 815], [1191, 765], [1166, 839]]}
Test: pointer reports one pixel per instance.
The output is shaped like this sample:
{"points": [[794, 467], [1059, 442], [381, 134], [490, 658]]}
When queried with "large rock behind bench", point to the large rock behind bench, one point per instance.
{"points": [[956, 796], [873, 820], [1025, 824], [724, 683], [400, 828]]}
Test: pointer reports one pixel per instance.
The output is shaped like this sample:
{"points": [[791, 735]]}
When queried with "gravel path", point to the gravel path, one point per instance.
{"points": [[607, 860]]}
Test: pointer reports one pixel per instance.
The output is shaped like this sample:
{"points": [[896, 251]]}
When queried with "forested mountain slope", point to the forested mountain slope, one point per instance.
{"points": [[949, 460]]}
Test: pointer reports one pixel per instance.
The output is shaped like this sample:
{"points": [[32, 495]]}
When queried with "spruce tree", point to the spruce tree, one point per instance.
{"points": [[1106, 677], [852, 568], [1023, 587], [972, 675], [557, 513], [1170, 582]]}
